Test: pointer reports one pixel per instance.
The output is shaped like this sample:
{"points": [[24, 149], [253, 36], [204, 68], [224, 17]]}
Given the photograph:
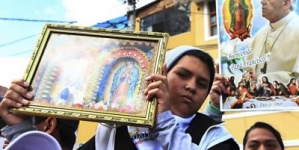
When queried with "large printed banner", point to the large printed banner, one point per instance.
{"points": [[259, 49]]}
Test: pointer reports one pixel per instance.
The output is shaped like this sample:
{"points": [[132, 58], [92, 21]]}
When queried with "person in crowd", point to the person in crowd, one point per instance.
{"points": [[186, 80], [262, 136], [184, 83], [2, 123], [63, 130]]}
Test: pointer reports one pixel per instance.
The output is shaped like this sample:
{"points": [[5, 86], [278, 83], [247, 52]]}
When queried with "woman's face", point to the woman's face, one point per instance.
{"points": [[188, 82]]}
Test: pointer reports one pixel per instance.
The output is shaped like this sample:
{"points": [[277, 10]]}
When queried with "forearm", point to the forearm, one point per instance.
{"points": [[170, 135], [213, 112], [12, 132]]}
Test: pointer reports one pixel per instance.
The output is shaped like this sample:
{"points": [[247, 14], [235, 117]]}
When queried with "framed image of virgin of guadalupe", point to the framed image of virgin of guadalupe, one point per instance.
{"points": [[259, 55], [94, 74]]}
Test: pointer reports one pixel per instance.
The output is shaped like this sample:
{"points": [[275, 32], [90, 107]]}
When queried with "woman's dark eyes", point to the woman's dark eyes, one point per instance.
{"points": [[253, 146], [271, 145], [200, 84], [183, 75]]}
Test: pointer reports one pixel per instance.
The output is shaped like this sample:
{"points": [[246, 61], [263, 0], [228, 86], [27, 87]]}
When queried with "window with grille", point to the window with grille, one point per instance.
{"points": [[174, 20], [212, 17]]}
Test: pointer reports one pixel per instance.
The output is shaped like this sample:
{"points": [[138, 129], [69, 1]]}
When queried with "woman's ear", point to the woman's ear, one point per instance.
{"points": [[50, 125]]}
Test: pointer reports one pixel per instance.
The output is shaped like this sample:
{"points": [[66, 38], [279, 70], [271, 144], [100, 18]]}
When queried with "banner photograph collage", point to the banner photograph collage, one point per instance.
{"points": [[259, 58]]}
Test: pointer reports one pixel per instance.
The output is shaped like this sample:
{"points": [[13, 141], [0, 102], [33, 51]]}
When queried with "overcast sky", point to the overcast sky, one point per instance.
{"points": [[18, 38]]}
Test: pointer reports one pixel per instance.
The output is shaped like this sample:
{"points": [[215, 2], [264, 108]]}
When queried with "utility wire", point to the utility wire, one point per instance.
{"points": [[19, 53], [34, 20], [30, 36], [18, 40], [111, 24], [30, 51]]}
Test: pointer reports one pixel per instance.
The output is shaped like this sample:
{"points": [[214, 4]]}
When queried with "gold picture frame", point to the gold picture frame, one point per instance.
{"points": [[94, 74]]}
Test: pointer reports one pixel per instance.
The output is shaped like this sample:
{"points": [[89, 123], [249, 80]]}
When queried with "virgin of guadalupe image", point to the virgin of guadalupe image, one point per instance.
{"points": [[240, 19], [124, 84]]}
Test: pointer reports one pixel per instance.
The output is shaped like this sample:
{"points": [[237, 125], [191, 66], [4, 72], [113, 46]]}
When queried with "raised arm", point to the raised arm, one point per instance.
{"points": [[16, 97]]}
